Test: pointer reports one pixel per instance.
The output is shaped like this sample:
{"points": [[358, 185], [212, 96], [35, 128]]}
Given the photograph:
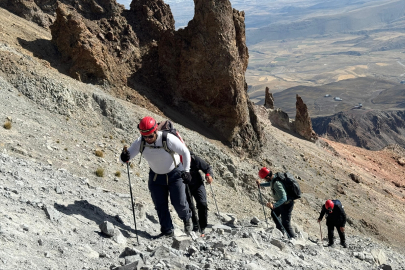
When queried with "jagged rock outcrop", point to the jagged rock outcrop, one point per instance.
{"points": [[302, 123], [204, 64], [43, 12], [153, 16], [200, 69], [150, 19], [88, 57], [370, 129], [280, 119], [28, 10], [123, 43], [268, 99]]}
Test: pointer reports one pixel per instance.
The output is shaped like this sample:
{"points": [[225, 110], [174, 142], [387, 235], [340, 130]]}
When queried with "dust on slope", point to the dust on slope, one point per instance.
{"points": [[381, 191]]}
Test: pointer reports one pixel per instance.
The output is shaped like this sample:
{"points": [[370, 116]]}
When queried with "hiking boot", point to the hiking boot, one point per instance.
{"points": [[331, 245], [188, 227], [195, 228], [167, 235], [202, 231], [344, 245]]}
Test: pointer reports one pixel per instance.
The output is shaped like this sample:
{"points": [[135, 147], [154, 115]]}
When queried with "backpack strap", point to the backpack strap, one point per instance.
{"points": [[141, 148], [167, 149], [277, 177]]}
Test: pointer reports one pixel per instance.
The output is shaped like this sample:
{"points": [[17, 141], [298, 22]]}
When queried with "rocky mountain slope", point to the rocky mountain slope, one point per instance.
{"points": [[53, 202], [100, 42], [370, 129]]}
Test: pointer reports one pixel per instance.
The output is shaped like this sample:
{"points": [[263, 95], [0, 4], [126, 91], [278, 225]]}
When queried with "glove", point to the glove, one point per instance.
{"points": [[125, 156], [186, 177]]}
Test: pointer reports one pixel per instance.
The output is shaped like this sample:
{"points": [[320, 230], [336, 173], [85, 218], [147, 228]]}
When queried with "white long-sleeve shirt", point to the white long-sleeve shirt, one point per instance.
{"points": [[160, 161]]}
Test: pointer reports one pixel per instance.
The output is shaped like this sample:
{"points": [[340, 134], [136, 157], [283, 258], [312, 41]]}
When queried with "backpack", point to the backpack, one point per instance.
{"points": [[166, 127], [291, 186], [338, 203]]}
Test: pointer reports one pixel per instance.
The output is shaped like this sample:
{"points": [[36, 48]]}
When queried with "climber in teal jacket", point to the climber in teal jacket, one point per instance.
{"points": [[282, 207]]}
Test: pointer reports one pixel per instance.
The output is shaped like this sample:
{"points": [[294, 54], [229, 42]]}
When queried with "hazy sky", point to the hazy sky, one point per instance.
{"points": [[126, 3]]}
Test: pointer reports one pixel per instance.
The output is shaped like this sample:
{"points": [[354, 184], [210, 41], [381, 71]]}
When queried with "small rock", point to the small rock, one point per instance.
{"points": [[379, 256], [181, 242], [132, 259], [118, 237], [255, 221], [355, 177], [161, 252], [278, 244], [102, 255], [107, 228], [192, 250], [58, 190], [52, 213]]}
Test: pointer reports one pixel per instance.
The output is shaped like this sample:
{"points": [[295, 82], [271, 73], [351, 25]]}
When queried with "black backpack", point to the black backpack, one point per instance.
{"points": [[166, 127], [291, 186]]}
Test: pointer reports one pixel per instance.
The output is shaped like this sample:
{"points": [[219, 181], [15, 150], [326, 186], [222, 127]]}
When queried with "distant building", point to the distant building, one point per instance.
{"points": [[338, 99], [358, 106]]}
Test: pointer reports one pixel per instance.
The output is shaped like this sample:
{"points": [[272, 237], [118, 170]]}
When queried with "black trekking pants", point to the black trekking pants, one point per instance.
{"points": [[163, 186], [331, 228], [199, 194], [285, 211]]}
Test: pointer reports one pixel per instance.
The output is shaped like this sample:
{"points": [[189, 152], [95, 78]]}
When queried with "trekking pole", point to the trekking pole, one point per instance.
{"points": [[261, 200], [320, 231], [132, 201], [215, 200], [281, 224], [193, 207]]}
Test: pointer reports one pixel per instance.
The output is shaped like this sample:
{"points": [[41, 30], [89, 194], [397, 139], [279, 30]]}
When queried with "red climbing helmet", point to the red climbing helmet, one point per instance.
{"points": [[263, 172], [329, 205], [147, 125]]}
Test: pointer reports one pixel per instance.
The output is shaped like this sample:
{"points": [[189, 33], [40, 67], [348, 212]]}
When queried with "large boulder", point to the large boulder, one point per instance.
{"points": [[204, 65]]}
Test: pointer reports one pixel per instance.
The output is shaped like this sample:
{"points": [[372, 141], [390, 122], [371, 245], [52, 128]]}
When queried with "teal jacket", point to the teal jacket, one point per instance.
{"points": [[278, 190]]}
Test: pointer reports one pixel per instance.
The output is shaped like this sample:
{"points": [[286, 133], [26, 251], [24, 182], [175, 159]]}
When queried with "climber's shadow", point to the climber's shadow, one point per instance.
{"points": [[96, 214]]}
